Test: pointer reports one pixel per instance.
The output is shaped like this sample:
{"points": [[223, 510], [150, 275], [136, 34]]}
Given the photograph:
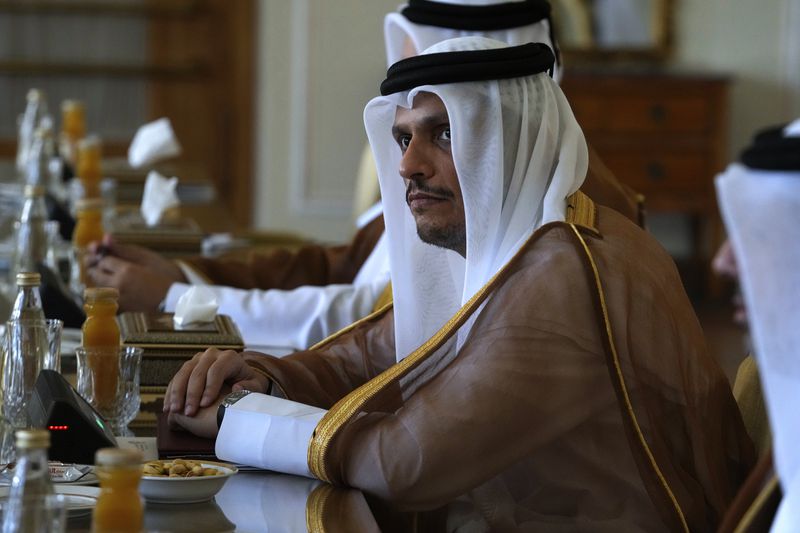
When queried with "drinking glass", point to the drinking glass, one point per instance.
{"points": [[109, 380], [30, 346]]}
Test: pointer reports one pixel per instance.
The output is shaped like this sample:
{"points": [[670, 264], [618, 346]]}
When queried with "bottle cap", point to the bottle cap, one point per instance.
{"points": [[29, 279], [72, 106], [117, 457], [33, 190], [31, 438], [100, 293], [89, 204], [89, 143], [35, 95]]}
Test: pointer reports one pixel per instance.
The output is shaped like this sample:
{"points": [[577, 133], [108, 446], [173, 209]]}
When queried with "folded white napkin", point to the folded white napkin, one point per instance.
{"points": [[152, 143], [159, 195], [198, 304]]}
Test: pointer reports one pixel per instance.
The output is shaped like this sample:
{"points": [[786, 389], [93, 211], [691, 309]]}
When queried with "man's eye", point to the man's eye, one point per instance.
{"points": [[404, 141], [445, 135]]}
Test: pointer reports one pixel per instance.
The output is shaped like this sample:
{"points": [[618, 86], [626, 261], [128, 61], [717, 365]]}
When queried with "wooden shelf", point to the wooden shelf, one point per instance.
{"points": [[112, 70], [162, 8]]}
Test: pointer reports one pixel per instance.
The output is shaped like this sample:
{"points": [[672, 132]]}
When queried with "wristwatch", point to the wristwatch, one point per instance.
{"points": [[227, 401]]}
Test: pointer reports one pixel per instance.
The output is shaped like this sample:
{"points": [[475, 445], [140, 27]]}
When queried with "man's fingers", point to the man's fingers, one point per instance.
{"points": [[228, 366], [177, 386], [196, 383]]}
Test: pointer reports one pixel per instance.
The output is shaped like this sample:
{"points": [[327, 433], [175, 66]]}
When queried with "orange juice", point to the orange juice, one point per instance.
{"points": [[119, 506], [100, 337], [89, 166], [88, 229]]}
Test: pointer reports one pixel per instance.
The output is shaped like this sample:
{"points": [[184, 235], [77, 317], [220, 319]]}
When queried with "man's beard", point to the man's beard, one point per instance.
{"points": [[451, 236]]}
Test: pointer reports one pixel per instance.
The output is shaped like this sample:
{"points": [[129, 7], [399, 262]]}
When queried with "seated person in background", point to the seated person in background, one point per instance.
{"points": [[294, 300], [759, 199], [282, 298], [541, 361]]}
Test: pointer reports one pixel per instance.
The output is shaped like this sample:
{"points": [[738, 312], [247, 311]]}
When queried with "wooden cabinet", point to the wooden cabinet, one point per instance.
{"points": [[663, 133]]}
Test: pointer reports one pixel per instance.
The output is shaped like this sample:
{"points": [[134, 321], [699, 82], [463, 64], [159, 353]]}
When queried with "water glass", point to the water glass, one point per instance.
{"points": [[46, 515], [7, 453], [109, 380], [31, 345]]}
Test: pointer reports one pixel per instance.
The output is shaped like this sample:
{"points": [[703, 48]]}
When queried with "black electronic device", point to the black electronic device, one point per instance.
{"points": [[76, 430]]}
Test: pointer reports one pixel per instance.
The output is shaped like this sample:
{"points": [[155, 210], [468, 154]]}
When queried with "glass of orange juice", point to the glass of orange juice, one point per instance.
{"points": [[108, 378]]}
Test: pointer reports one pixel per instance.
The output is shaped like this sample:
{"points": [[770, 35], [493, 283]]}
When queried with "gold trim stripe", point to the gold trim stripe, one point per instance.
{"points": [[315, 508], [755, 508], [621, 380], [354, 325]]}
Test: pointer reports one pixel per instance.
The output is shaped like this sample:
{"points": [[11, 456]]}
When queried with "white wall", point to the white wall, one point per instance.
{"points": [[758, 43], [319, 63]]}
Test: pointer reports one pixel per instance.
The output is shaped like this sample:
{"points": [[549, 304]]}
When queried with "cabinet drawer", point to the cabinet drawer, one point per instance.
{"points": [[654, 172], [643, 115]]}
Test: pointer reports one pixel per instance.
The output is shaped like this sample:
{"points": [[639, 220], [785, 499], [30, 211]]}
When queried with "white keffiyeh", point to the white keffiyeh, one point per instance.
{"points": [[761, 210], [396, 28], [518, 153]]}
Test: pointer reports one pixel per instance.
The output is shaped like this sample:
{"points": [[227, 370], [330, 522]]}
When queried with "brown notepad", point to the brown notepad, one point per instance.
{"points": [[172, 444]]}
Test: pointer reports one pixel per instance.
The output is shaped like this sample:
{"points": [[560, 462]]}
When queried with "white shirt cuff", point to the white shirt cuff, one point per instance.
{"points": [[268, 432]]}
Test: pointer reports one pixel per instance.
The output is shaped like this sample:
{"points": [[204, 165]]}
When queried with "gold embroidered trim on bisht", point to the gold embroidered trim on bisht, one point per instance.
{"points": [[348, 406], [315, 508], [581, 211], [621, 381], [385, 298], [352, 326], [755, 508]]}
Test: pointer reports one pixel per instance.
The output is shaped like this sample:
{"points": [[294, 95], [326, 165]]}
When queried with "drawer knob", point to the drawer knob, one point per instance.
{"points": [[656, 171], [658, 113]]}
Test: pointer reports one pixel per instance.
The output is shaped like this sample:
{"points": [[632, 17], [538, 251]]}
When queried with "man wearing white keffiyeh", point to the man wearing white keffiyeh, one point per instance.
{"points": [[541, 364], [759, 201]]}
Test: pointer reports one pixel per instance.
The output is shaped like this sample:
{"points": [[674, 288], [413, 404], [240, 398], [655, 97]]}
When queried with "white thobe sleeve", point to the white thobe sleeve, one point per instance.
{"points": [[301, 317], [268, 432]]}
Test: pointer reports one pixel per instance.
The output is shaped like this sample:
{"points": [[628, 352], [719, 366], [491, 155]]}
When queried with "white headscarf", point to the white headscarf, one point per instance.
{"points": [[761, 210], [396, 28], [518, 153]]}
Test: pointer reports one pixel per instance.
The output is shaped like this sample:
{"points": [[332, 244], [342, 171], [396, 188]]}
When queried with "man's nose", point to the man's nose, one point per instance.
{"points": [[415, 163]]}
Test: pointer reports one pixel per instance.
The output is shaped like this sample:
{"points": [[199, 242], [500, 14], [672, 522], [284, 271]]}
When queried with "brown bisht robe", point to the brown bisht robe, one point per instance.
{"points": [[583, 398]]}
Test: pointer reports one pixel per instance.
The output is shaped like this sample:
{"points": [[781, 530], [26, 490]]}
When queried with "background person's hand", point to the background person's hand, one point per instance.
{"points": [[199, 382], [140, 288], [137, 255]]}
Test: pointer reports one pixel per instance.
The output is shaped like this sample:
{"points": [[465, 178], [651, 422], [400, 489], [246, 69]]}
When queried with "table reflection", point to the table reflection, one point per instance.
{"points": [[256, 502]]}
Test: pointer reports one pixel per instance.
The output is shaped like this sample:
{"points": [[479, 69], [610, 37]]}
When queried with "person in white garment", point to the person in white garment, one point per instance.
{"points": [[300, 317], [759, 199]]}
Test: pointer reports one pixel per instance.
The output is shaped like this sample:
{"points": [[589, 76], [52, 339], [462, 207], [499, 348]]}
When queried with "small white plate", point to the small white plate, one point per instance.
{"points": [[80, 500], [161, 489]]}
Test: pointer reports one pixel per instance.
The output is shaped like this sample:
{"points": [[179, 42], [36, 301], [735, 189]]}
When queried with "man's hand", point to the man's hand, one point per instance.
{"points": [[199, 382], [137, 255], [202, 424], [142, 276]]}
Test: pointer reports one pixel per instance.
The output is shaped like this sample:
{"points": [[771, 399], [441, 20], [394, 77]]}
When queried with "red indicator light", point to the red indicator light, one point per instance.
{"points": [[58, 428]]}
